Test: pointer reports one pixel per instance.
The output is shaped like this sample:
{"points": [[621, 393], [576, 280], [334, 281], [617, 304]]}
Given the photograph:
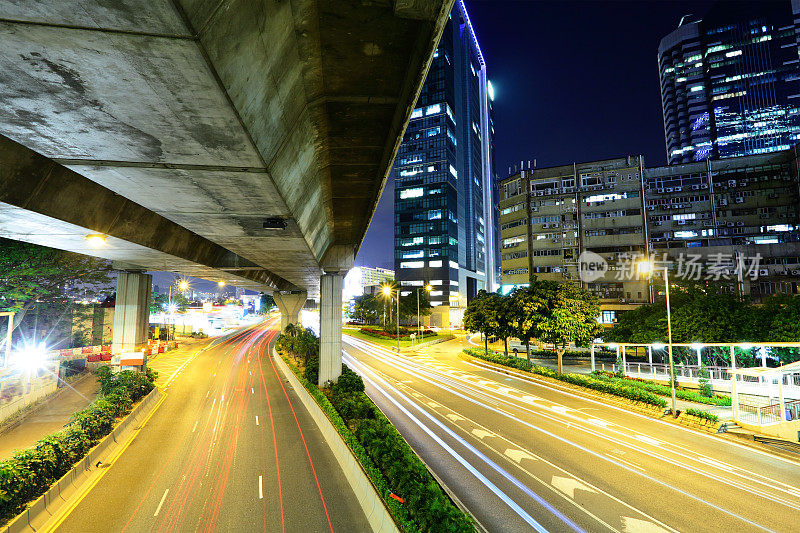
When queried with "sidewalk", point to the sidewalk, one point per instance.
{"points": [[49, 416]]}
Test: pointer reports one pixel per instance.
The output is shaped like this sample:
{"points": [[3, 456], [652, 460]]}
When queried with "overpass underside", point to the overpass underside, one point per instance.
{"points": [[244, 140]]}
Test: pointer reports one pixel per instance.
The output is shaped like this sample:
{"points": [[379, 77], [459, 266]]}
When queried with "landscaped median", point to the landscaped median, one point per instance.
{"points": [[413, 497], [635, 390], [389, 338], [30, 473]]}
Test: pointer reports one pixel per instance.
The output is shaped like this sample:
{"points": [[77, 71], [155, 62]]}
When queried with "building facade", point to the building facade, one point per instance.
{"points": [[730, 83], [443, 175], [550, 216], [733, 220]]}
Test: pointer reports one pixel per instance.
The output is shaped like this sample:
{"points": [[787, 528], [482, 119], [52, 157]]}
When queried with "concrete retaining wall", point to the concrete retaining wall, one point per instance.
{"points": [[379, 518], [41, 510], [25, 400]]}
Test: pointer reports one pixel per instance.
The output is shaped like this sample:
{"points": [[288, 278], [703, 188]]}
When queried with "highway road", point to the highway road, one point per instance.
{"points": [[231, 448], [533, 456]]}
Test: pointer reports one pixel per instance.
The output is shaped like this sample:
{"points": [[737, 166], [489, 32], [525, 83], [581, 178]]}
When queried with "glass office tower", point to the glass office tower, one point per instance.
{"points": [[445, 225], [730, 83]]}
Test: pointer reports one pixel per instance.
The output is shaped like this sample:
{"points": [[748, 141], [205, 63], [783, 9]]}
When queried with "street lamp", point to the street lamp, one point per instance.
{"points": [[428, 288], [387, 290], [646, 267]]}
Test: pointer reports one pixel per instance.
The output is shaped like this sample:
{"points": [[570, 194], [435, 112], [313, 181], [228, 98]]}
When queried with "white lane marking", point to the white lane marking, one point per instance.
{"points": [[482, 433], [648, 440], [518, 455], [213, 404], [434, 405], [252, 391], [598, 422], [505, 390], [568, 485], [559, 409], [256, 419], [164, 497], [207, 393], [626, 462], [260, 489], [634, 525], [195, 425], [215, 374]]}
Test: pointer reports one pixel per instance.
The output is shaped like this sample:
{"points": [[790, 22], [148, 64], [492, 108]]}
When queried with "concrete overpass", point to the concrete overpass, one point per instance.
{"points": [[245, 141]]}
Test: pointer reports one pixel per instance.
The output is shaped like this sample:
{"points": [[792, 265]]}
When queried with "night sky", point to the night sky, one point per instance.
{"points": [[574, 81]]}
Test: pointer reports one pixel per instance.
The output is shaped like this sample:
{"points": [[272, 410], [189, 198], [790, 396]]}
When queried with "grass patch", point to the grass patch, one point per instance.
{"points": [[389, 342], [664, 390]]}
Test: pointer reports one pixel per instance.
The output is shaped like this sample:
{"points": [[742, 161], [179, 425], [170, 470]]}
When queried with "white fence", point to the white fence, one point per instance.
{"points": [[719, 379]]}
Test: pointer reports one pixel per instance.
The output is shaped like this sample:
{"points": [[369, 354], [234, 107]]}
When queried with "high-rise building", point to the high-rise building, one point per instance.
{"points": [[443, 174], [734, 220], [550, 216], [730, 82]]}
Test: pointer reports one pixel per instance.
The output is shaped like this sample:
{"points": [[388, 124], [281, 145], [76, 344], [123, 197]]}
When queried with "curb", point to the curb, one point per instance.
{"points": [[46, 506], [371, 503], [683, 419]]}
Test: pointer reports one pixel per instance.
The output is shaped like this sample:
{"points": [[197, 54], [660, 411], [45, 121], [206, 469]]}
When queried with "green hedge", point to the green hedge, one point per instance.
{"points": [[702, 414], [664, 390], [386, 457], [30, 473], [590, 382]]}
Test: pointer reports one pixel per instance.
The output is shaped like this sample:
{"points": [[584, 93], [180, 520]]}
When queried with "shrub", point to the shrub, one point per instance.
{"points": [[664, 390], [703, 379], [311, 372], [702, 414], [29, 473], [590, 382], [349, 381]]}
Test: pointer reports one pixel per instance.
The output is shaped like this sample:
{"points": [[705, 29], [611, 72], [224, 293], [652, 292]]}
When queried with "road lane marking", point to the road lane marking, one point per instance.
{"points": [[256, 419], [260, 489], [195, 425], [482, 433], [559, 409], [648, 440], [598, 422], [634, 525], [207, 393], [518, 455], [626, 462], [569, 485], [164, 497], [252, 391]]}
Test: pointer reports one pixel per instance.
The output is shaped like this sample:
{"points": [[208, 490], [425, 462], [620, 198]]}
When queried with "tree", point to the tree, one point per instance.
{"points": [[556, 313], [483, 314], [160, 302], [267, 303], [366, 309], [38, 277], [526, 310]]}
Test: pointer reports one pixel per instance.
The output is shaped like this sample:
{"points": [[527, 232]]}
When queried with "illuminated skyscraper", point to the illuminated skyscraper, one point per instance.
{"points": [[730, 82], [443, 172]]}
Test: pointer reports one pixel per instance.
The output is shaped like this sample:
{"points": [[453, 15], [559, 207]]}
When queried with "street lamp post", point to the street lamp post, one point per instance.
{"points": [[646, 266], [388, 292], [428, 288]]}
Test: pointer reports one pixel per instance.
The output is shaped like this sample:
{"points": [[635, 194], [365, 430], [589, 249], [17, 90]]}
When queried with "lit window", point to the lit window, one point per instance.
{"points": [[412, 264], [411, 193], [414, 254], [685, 234], [435, 215], [433, 109], [435, 264], [436, 293], [453, 264], [453, 171], [416, 113], [733, 54]]}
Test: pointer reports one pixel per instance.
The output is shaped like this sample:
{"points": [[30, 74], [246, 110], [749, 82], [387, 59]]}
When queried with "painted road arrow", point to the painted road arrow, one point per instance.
{"points": [[482, 433], [567, 485], [518, 455], [634, 525]]}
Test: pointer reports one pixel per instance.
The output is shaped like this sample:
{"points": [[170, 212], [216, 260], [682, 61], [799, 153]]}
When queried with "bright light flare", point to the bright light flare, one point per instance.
{"points": [[429, 288], [387, 291], [644, 266], [183, 284], [696, 346], [746, 346], [657, 346], [31, 358], [171, 308], [221, 283], [96, 240]]}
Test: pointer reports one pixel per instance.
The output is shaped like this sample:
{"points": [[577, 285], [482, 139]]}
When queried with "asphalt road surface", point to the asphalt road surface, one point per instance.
{"points": [[230, 449], [533, 456]]}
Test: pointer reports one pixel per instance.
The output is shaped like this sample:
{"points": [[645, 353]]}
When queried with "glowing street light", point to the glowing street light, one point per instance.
{"points": [[183, 285], [96, 240], [31, 358], [647, 267], [658, 346], [221, 283]]}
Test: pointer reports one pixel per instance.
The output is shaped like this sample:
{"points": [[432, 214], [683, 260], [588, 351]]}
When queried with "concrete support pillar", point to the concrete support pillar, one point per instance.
{"points": [[624, 361], [650, 356], [330, 327], [131, 312], [733, 358], [290, 305], [592, 354]]}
